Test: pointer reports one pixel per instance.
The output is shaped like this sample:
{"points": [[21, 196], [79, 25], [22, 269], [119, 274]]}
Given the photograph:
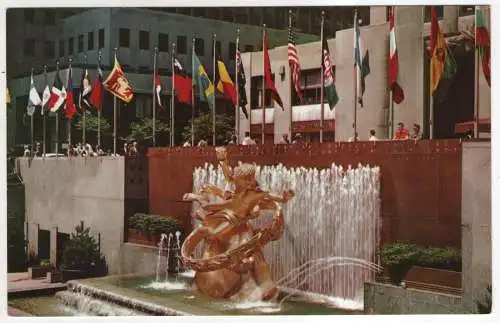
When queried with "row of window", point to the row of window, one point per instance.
{"points": [[80, 43], [49, 16], [181, 45]]}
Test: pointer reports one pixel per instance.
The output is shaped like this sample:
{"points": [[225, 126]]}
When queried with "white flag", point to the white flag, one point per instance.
{"points": [[34, 98]]}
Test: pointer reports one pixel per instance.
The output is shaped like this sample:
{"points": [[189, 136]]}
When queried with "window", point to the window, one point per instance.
{"points": [[163, 42], [182, 45], [310, 83], [101, 38], [256, 93], [29, 16], [61, 48], [71, 46], [124, 37], [29, 47], [80, 43], [231, 52], [49, 17], [143, 40], [199, 46], [248, 48], [90, 40], [49, 49], [439, 12], [218, 47], [466, 11]]}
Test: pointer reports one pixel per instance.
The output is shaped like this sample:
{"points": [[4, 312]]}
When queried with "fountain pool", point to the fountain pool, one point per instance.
{"points": [[144, 295]]}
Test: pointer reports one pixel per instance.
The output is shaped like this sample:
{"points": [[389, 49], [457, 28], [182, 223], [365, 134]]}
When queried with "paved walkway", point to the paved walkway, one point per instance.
{"points": [[12, 311], [19, 283]]}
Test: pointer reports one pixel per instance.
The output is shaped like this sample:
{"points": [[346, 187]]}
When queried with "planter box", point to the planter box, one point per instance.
{"points": [[438, 280], [137, 236], [38, 272], [54, 277]]}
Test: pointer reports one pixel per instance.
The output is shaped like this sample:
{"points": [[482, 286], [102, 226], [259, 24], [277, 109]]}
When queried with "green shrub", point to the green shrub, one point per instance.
{"points": [[440, 258], [153, 224], [45, 263], [399, 254]]}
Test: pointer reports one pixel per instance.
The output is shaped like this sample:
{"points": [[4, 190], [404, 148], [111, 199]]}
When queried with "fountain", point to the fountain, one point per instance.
{"points": [[340, 206], [320, 255]]}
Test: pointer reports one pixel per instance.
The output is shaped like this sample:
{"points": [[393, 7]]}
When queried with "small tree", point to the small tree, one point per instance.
{"points": [[143, 130], [91, 124], [224, 127], [82, 251]]}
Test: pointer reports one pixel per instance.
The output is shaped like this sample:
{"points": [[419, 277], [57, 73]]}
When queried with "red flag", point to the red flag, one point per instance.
{"points": [[158, 90], [70, 100], [397, 92], [118, 85], [182, 83], [267, 76], [97, 93]]}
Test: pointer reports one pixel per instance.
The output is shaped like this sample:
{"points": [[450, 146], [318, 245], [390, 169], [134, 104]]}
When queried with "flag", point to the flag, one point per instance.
{"points": [[183, 83], [224, 83], [293, 62], [45, 94], [70, 99], [203, 83], [33, 98], [158, 90], [483, 43], [330, 90], [117, 84], [269, 84], [85, 89], [443, 66], [97, 93], [57, 94], [397, 91], [362, 63], [8, 100], [242, 93]]}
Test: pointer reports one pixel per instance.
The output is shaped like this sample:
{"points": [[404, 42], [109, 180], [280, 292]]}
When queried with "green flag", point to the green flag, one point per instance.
{"points": [[330, 90]]}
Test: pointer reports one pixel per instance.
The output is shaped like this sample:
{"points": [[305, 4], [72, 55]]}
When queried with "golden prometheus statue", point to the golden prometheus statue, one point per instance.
{"points": [[232, 265]]}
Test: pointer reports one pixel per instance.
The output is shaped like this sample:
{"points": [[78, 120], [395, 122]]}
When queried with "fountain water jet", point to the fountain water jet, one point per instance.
{"points": [[342, 208], [160, 252]]}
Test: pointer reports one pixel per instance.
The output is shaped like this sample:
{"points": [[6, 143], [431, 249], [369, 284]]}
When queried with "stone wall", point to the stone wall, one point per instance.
{"points": [[390, 299], [62, 192], [476, 219]]}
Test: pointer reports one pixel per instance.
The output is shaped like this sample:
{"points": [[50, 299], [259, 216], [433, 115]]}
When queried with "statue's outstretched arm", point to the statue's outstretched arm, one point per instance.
{"points": [[222, 158], [213, 190], [285, 196]]}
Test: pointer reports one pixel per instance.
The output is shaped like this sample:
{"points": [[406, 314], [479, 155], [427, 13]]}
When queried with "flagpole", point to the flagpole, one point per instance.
{"points": [[154, 96], [69, 120], [57, 117], [215, 85], [99, 59], [114, 116], [249, 98], [172, 98], [44, 112], [476, 57], [322, 91], [391, 115], [82, 106], [263, 84], [237, 86], [192, 90], [32, 121], [290, 130], [355, 123]]}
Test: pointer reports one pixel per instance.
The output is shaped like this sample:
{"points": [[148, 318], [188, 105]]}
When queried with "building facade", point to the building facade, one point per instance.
{"points": [[412, 33], [81, 36]]}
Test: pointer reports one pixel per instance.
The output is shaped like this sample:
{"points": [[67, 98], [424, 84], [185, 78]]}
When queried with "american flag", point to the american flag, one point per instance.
{"points": [[293, 61]]}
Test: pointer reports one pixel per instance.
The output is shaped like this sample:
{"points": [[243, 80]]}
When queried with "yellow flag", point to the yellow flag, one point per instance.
{"points": [[7, 96]]}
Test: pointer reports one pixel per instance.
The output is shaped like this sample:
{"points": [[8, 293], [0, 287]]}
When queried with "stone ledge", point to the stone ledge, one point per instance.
{"points": [[389, 299]]}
